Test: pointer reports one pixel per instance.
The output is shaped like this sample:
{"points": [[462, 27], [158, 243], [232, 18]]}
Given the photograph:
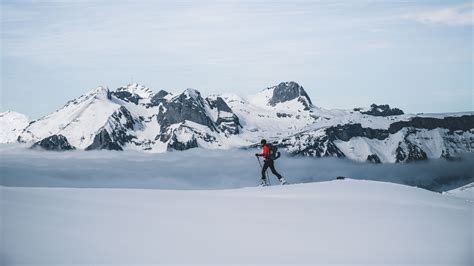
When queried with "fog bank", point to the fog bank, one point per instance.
{"points": [[209, 169]]}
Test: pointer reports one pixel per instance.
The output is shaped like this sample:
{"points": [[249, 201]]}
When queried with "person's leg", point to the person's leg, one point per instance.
{"points": [[272, 168], [264, 169]]}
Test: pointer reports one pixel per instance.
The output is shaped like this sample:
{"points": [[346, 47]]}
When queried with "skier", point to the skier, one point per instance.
{"points": [[269, 157]]}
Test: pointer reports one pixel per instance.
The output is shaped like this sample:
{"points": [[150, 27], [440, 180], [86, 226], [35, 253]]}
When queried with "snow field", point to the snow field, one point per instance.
{"points": [[356, 222]]}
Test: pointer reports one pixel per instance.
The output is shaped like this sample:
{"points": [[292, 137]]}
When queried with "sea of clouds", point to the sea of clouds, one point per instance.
{"points": [[209, 169]]}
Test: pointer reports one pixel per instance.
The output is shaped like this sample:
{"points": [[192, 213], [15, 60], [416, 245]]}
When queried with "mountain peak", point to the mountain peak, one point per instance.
{"points": [[192, 93], [287, 91], [99, 92], [135, 88]]}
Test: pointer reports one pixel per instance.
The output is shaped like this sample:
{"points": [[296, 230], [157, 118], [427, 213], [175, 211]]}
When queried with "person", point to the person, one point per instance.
{"points": [[268, 163]]}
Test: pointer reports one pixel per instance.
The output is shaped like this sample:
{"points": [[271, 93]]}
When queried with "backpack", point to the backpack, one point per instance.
{"points": [[274, 153]]}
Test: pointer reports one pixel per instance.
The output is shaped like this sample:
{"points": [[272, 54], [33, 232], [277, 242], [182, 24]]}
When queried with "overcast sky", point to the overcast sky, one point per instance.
{"points": [[416, 55]]}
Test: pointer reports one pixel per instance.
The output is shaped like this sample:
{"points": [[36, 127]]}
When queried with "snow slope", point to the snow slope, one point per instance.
{"points": [[261, 120], [79, 120], [11, 125], [356, 222], [465, 192]]}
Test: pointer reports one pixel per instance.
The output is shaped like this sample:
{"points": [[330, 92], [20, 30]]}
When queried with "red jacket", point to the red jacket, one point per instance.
{"points": [[266, 152]]}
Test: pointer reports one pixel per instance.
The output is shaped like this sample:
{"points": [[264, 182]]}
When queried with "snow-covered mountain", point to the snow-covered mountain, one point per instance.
{"points": [[85, 121], [387, 139], [11, 125], [134, 117]]}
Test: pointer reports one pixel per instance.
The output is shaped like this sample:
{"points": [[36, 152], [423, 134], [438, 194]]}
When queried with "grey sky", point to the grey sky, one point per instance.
{"points": [[411, 54]]}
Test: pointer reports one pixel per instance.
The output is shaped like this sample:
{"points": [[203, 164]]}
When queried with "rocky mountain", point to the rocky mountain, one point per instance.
{"points": [[287, 91], [380, 110], [134, 117], [416, 139], [53, 143]]}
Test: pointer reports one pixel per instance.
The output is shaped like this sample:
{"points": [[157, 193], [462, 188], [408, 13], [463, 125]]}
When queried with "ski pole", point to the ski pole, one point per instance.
{"points": [[259, 162], [261, 167]]}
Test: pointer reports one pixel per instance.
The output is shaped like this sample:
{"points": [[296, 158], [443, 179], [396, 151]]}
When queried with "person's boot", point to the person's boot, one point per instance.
{"points": [[264, 183], [283, 181]]}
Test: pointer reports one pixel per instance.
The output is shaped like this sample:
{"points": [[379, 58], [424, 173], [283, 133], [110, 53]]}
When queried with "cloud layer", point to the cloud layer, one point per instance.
{"points": [[209, 169], [454, 16]]}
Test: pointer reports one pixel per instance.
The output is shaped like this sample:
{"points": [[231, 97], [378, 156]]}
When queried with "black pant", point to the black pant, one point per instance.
{"points": [[269, 163]]}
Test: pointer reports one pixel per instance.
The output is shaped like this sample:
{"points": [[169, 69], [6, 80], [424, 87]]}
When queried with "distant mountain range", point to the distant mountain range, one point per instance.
{"points": [[134, 117]]}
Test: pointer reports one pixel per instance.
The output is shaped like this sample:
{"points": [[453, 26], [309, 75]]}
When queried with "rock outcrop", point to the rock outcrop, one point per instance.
{"points": [[54, 143]]}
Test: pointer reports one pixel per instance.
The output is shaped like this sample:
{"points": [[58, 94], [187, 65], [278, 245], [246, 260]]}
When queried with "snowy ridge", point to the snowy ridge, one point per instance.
{"points": [[134, 117], [135, 88], [441, 144], [403, 141]]}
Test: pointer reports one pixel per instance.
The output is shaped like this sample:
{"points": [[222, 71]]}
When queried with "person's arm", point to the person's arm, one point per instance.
{"points": [[260, 154]]}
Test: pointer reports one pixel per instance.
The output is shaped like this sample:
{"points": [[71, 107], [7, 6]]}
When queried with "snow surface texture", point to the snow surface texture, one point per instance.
{"points": [[209, 169], [134, 117], [347, 221]]}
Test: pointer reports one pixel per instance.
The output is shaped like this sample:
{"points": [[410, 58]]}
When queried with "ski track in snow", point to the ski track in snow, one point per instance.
{"points": [[355, 222]]}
